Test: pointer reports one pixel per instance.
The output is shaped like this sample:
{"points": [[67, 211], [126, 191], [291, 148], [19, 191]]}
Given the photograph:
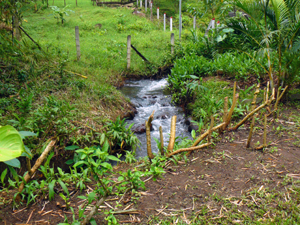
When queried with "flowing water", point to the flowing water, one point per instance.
{"points": [[149, 95]]}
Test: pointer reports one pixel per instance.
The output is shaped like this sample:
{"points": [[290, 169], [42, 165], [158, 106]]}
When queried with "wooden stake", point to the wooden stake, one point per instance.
{"points": [[173, 134], [172, 43], [77, 42], [128, 51], [161, 141]]}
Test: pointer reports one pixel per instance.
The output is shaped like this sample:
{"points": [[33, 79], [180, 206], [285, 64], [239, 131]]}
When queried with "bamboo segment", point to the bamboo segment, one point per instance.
{"points": [[148, 126], [265, 132], [253, 103], [173, 134], [189, 149], [225, 109], [37, 164], [251, 114], [206, 133], [228, 119], [161, 141]]}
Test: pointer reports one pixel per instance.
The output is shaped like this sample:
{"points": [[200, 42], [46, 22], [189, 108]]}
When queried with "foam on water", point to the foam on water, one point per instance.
{"points": [[148, 95]]}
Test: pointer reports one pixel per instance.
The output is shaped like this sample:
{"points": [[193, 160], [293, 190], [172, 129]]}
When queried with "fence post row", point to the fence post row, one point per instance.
{"points": [[77, 42], [128, 51]]}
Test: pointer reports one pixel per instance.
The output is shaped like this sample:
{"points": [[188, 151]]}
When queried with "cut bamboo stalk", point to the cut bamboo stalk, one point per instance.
{"points": [[250, 114], [212, 120], [148, 126], [161, 141], [234, 89], [204, 135], [265, 132], [253, 103], [251, 131], [189, 149], [228, 119], [267, 94], [173, 134], [277, 101], [225, 109], [93, 211], [37, 165]]}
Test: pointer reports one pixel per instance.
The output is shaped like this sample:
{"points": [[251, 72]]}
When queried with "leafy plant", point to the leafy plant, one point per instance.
{"points": [[60, 13]]}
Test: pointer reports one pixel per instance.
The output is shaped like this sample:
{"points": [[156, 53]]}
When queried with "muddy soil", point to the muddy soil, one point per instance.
{"points": [[227, 169]]}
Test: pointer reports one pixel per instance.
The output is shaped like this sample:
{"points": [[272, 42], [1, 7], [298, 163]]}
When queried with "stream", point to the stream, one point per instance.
{"points": [[149, 95]]}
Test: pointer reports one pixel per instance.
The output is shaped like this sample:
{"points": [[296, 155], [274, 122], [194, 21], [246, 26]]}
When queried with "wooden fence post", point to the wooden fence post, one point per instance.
{"points": [[164, 22], [141, 3], [145, 5], [77, 42], [128, 51], [171, 24], [194, 23], [157, 12], [172, 43]]}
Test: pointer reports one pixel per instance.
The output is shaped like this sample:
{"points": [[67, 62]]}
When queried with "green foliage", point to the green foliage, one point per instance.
{"points": [[120, 136], [11, 144], [60, 13]]}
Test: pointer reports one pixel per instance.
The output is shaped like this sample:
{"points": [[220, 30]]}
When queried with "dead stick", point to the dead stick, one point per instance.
{"points": [[212, 120], [161, 141], [37, 164], [148, 126], [206, 133], [129, 211], [189, 149], [173, 134], [277, 101], [231, 111], [93, 211], [28, 165]]}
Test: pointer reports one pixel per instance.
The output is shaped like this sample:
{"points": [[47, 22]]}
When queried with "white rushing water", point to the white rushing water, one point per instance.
{"points": [[149, 95]]}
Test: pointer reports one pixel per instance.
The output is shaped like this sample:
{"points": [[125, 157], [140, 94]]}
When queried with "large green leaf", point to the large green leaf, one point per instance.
{"points": [[11, 144]]}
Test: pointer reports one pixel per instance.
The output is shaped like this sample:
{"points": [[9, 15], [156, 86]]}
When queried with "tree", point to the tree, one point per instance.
{"points": [[273, 30]]}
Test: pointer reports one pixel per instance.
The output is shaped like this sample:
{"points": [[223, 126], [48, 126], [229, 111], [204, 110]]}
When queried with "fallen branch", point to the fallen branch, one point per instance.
{"points": [[129, 211], [36, 166], [189, 149], [173, 134]]}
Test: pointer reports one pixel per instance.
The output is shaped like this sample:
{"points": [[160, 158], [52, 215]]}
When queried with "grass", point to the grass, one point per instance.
{"points": [[103, 51]]}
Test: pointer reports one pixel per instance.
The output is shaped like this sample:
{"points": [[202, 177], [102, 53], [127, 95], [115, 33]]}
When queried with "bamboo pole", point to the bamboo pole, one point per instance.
{"points": [[253, 103], [148, 125], [161, 141], [265, 131], [37, 164], [228, 119], [204, 135], [173, 134], [251, 114], [189, 149]]}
